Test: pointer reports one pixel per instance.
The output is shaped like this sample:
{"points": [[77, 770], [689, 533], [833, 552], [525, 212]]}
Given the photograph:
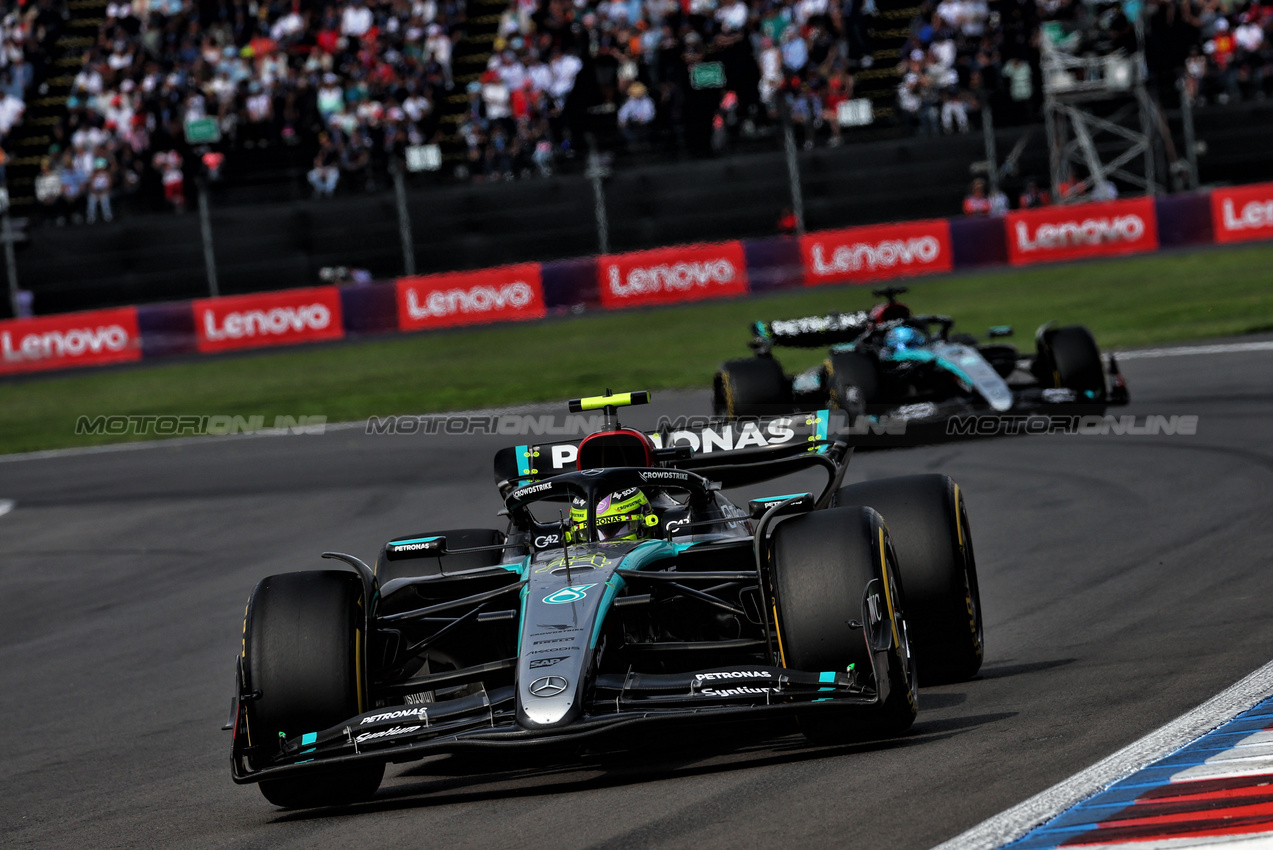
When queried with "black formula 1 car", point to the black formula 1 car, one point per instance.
{"points": [[576, 627], [894, 364]]}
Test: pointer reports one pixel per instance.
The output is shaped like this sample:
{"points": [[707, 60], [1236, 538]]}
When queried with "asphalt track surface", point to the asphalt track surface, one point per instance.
{"points": [[1125, 579]]}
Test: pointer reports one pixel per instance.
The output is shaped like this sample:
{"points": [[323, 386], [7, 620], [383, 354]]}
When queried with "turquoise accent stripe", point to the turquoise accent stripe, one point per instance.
{"points": [[309, 738], [523, 460], [779, 498], [521, 601], [921, 356], [613, 586], [416, 540], [827, 678], [650, 550], [821, 419]]}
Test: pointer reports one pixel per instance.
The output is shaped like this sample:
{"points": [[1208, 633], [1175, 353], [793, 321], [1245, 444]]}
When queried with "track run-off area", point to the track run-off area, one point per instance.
{"points": [[1125, 581]]}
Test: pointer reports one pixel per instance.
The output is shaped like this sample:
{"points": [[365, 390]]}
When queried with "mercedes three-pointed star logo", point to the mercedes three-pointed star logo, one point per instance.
{"points": [[548, 686]]}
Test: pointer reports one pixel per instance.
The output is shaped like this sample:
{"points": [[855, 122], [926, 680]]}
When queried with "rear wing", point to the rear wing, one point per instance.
{"points": [[733, 453], [812, 331]]}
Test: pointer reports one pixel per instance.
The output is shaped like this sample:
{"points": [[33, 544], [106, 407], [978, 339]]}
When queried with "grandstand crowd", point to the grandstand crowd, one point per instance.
{"points": [[355, 84]]}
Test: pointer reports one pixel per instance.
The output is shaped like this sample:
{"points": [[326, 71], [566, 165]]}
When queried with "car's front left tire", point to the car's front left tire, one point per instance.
{"points": [[837, 598], [305, 653]]}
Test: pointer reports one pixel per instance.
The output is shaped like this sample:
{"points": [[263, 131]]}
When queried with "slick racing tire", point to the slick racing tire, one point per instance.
{"points": [[1069, 357], [752, 386], [933, 540], [852, 382], [837, 591], [456, 538], [304, 652]]}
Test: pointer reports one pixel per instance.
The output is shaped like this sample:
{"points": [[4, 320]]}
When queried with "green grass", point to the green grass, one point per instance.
{"points": [[1126, 302]]}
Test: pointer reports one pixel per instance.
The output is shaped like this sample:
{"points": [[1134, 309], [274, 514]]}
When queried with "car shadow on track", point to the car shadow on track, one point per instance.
{"points": [[463, 779], [1001, 671]]}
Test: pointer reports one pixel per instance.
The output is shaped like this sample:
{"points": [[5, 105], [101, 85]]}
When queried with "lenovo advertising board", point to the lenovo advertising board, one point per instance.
{"points": [[865, 254], [671, 275], [508, 293], [1048, 234], [285, 317], [67, 340], [1243, 213]]}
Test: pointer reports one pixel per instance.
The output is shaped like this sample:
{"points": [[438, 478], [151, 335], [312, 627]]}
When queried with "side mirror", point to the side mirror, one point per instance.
{"points": [[999, 331], [415, 547], [799, 503]]}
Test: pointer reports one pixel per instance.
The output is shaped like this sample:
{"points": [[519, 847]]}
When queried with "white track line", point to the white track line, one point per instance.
{"points": [[1023, 817], [6, 505], [1188, 350]]}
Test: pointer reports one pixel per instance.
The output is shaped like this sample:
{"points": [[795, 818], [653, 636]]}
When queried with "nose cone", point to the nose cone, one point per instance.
{"points": [[548, 701]]}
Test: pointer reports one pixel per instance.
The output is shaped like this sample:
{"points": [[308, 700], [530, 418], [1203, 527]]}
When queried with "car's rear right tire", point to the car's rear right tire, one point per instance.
{"points": [[1068, 357], [305, 652], [751, 386], [930, 531], [837, 590]]}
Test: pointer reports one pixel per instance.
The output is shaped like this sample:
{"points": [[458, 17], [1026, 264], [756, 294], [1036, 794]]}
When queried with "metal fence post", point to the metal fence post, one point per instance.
{"points": [[205, 227], [404, 217], [596, 172], [793, 164], [10, 262]]}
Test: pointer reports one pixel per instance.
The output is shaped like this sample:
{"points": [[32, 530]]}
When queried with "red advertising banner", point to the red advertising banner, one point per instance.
{"points": [[670, 275], [67, 340], [507, 293], [862, 254], [271, 318], [1049, 234], [1243, 213]]}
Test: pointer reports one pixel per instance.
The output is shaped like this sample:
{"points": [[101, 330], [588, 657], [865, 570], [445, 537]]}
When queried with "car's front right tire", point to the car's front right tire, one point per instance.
{"points": [[751, 386]]}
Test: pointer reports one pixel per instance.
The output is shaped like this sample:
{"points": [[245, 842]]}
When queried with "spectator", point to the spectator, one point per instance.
{"points": [[976, 202], [998, 202], [48, 190], [100, 184], [73, 184], [325, 174], [1032, 196], [169, 164], [636, 117]]}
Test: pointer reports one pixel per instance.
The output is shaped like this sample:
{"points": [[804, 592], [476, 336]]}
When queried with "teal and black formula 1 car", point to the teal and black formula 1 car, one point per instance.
{"points": [[626, 598], [891, 363]]}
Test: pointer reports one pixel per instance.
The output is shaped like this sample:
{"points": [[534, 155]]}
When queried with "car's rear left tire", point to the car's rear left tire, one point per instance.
{"points": [[305, 652], [751, 386], [931, 534], [826, 564]]}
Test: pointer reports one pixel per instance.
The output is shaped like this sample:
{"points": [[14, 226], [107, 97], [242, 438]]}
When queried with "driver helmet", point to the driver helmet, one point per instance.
{"points": [[903, 337], [625, 515]]}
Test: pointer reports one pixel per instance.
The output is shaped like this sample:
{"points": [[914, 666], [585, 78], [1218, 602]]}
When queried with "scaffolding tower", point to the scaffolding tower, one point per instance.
{"points": [[1099, 115]]}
